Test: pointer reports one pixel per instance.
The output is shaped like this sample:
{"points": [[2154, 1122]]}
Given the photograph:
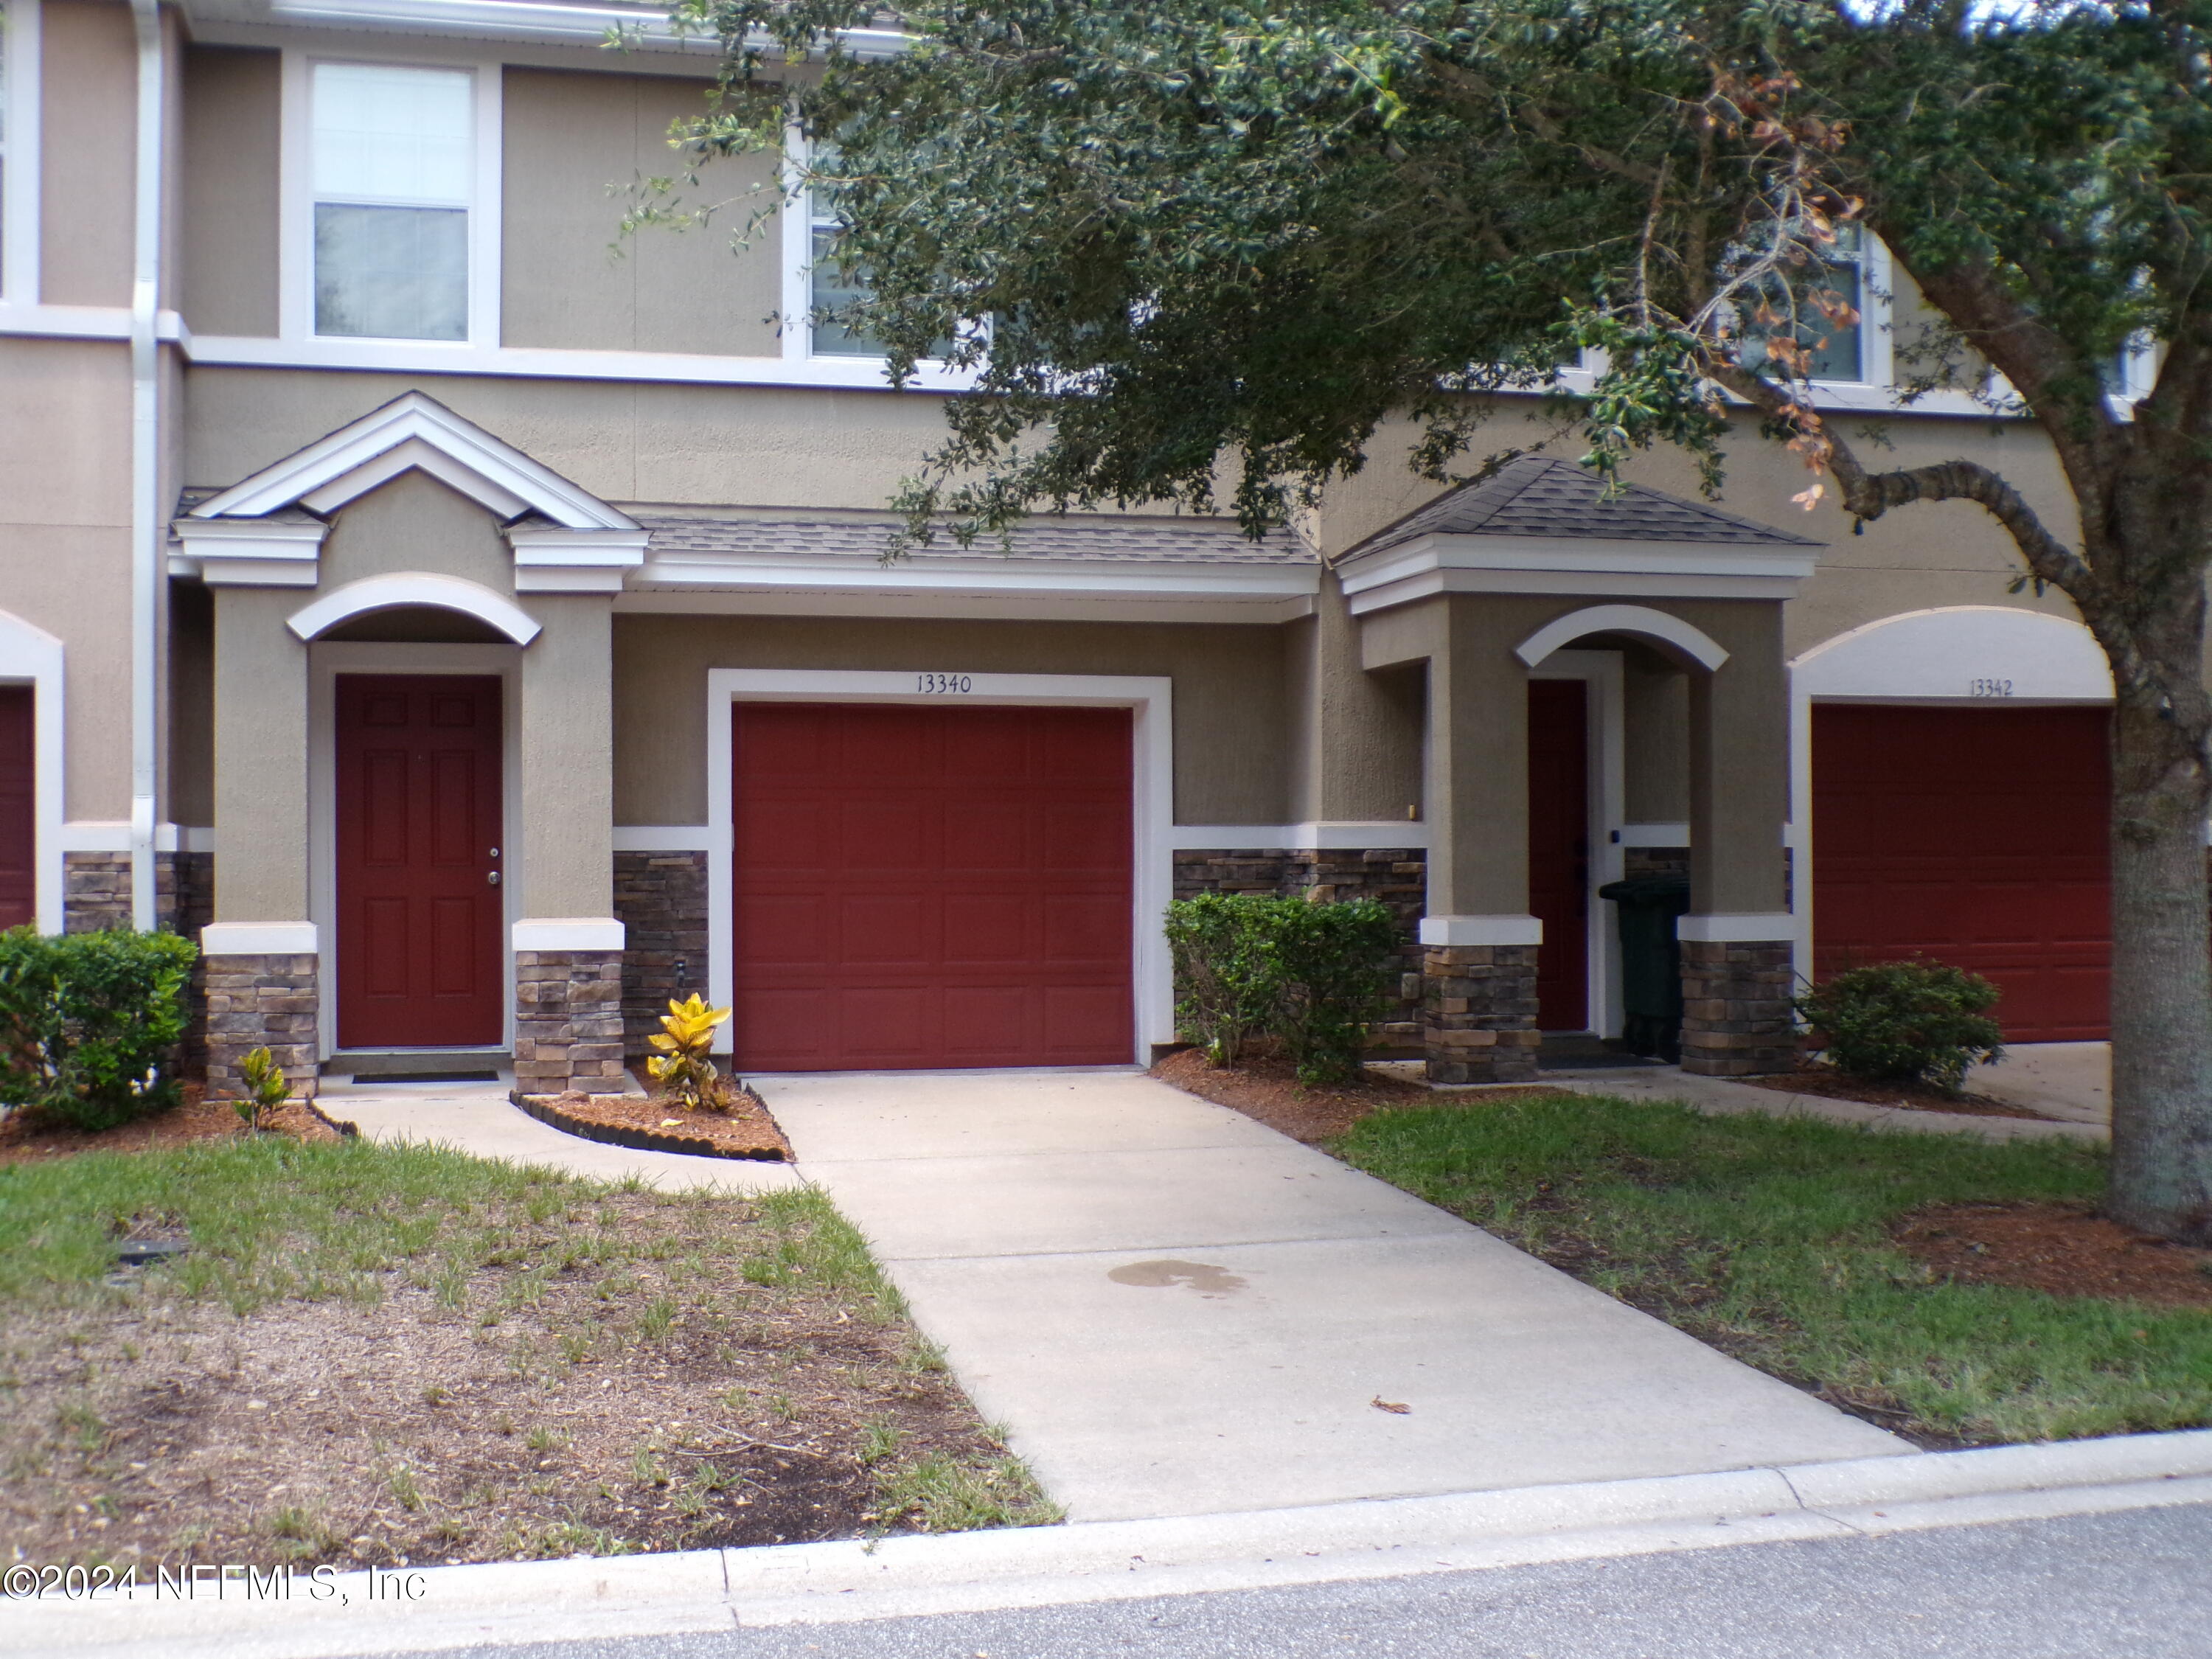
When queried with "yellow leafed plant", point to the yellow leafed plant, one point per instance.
{"points": [[682, 1067]]}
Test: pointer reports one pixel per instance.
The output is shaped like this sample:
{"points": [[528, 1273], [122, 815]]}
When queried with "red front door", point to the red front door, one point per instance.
{"points": [[1974, 836], [419, 846], [19, 835], [1559, 850], [931, 886]]}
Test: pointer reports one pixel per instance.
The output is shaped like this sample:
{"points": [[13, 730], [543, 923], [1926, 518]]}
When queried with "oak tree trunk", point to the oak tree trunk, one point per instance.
{"points": [[2161, 1173]]}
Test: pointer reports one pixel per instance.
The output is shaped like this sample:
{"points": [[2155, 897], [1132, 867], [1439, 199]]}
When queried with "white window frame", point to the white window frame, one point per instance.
{"points": [[19, 153], [797, 333], [296, 283], [1877, 355]]}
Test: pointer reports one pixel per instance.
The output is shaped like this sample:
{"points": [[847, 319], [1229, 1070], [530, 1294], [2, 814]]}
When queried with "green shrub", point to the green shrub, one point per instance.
{"points": [[1314, 976], [1226, 985], [88, 1023], [1905, 1022]]}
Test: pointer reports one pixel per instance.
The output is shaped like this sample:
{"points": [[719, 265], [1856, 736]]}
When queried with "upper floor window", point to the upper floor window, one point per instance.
{"points": [[392, 165], [1824, 310], [828, 291]]}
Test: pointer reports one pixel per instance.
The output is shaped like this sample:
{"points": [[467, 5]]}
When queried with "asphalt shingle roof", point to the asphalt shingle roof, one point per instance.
{"points": [[1539, 495], [1151, 540]]}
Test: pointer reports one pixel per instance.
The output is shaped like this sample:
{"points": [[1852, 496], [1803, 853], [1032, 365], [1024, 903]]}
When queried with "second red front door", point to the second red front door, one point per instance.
{"points": [[420, 858], [1559, 850]]}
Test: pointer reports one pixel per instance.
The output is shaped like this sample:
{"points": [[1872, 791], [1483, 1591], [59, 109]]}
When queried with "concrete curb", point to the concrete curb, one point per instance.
{"points": [[811, 1584]]}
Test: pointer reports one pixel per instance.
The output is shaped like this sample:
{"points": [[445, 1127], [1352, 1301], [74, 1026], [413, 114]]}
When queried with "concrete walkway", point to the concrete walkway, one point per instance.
{"points": [[479, 1119], [1178, 1312]]}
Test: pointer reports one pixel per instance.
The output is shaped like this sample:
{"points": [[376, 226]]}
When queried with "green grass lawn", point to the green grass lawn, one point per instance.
{"points": [[1769, 1239], [403, 1353]]}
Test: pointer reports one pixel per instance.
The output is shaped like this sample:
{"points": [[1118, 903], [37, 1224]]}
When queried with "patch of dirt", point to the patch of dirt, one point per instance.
{"points": [[1267, 1089], [2062, 1249], [1831, 1085], [538, 1409], [745, 1130], [28, 1136]]}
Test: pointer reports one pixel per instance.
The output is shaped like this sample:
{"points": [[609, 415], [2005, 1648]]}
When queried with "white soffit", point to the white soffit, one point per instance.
{"points": [[1976, 653], [1448, 563]]}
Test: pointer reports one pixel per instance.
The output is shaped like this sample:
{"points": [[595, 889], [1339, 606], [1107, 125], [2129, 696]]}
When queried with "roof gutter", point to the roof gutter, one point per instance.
{"points": [[146, 540]]}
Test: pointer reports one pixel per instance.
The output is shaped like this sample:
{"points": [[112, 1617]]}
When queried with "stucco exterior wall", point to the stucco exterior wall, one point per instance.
{"points": [[188, 777], [1355, 746], [1948, 553], [570, 136], [88, 117], [226, 239], [566, 832], [65, 544], [260, 757], [415, 523], [1230, 729], [759, 445]]}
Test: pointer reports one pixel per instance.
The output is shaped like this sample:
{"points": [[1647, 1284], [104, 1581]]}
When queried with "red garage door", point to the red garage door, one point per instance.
{"points": [[1974, 836], [927, 886]]}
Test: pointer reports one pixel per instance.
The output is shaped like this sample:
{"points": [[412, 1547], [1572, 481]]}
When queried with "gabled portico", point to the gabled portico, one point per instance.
{"points": [[412, 736], [1481, 590]]}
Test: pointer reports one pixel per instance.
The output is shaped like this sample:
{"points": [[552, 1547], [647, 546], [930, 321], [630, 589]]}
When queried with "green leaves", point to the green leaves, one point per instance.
{"points": [[1220, 246], [1312, 976], [1919, 1022], [88, 1022]]}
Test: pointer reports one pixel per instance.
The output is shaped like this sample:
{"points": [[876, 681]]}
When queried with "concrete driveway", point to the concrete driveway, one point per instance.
{"points": [[1176, 1311]]}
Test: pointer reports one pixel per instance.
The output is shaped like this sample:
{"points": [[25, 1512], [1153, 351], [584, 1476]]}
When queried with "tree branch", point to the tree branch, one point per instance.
{"points": [[1867, 496]]}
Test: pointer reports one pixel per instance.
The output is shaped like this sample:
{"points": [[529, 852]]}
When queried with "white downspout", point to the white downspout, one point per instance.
{"points": [[146, 537]]}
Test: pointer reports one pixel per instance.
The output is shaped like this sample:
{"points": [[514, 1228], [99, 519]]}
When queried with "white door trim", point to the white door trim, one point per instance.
{"points": [[1608, 788], [326, 661], [1150, 698]]}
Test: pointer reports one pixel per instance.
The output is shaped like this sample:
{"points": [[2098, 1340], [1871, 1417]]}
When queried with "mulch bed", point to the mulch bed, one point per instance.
{"points": [[26, 1136], [1267, 1089], [2062, 1249], [1831, 1084], [745, 1131]]}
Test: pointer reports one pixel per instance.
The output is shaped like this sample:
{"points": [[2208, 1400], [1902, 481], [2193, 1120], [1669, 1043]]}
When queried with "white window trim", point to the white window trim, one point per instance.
{"points": [[19, 183], [326, 661], [295, 257], [795, 228], [31, 656], [1150, 698]]}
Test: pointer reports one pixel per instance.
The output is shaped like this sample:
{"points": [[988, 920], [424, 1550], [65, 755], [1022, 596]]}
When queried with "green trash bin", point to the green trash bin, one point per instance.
{"points": [[1650, 962]]}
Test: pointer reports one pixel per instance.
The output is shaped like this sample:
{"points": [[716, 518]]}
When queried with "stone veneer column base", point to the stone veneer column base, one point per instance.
{"points": [[568, 1022], [260, 1002], [1479, 1012], [1736, 1018], [96, 892]]}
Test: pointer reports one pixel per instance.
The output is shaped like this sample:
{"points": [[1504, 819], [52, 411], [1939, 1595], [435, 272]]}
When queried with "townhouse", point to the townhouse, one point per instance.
{"points": [[475, 634]]}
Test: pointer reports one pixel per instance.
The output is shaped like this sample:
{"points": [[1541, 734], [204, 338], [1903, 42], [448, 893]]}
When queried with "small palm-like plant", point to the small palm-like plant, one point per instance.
{"points": [[682, 1067], [266, 1086]]}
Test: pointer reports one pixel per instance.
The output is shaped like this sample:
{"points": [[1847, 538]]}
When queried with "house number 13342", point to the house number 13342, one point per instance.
{"points": [[937, 685], [1989, 688]]}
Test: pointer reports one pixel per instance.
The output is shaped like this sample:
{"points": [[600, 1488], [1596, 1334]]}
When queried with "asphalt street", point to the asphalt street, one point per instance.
{"points": [[2136, 1585]]}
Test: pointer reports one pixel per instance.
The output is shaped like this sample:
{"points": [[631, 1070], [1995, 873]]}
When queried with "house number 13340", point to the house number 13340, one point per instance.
{"points": [[941, 684]]}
